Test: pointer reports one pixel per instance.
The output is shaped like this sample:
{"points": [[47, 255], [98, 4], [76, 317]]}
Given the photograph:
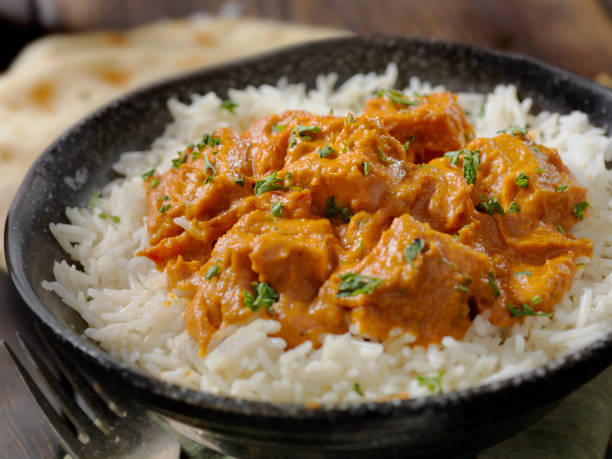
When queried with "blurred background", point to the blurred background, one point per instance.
{"points": [[572, 34]]}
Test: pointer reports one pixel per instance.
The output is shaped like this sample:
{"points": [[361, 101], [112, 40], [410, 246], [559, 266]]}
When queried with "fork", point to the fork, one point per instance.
{"points": [[105, 428]]}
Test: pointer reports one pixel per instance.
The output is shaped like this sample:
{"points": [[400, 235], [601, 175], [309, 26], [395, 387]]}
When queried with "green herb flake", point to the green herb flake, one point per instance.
{"points": [[240, 180], [176, 162], [432, 383], [163, 197], [561, 188], [213, 271], [513, 208], [333, 210], [326, 151], [580, 265], [154, 183], [279, 127], [514, 130], [536, 149], [265, 296], [396, 97], [148, 174], [88, 298], [276, 208], [414, 249], [493, 285], [269, 183], [523, 273], [357, 389], [208, 166], [490, 205], [537, 299], [195, 154], [522, 180], [470, 165], [579, 209], [525, 310], [463, 286], [481, 111], [366, 168], [93, 200], [453, 157], [407, 144], [302, 131], [164, 208], [385, 159], [228, 105], [539, 170], [561, 229], [355, 284]]}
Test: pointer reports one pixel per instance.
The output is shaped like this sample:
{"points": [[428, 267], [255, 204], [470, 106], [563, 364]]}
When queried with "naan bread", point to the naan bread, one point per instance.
{"points": [[58, 79]]}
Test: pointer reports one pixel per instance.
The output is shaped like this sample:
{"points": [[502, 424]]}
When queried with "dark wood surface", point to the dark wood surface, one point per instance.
{"points": [[572, 34]]}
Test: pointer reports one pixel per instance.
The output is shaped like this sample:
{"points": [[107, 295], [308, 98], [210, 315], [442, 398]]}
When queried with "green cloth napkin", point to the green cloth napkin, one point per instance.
{"points": [[579, 428]]}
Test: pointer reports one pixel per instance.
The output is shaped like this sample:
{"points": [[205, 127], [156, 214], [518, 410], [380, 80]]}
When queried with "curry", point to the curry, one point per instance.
{"points": [[394, 219]]}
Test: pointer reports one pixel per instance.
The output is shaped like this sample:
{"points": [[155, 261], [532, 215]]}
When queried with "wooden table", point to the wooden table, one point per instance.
{"points": [[572, 34]]}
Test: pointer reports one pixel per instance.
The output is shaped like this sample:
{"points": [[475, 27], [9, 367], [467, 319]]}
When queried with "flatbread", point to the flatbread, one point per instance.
{"points": [[58, 79]]}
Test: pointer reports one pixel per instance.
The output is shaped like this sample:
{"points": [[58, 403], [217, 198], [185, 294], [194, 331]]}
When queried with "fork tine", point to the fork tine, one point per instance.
{"points": [[72, 411], [58, 426], [95, 402]]}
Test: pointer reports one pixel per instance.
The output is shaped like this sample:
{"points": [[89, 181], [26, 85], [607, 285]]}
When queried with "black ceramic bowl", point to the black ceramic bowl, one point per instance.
{"points": [[447, 425]]}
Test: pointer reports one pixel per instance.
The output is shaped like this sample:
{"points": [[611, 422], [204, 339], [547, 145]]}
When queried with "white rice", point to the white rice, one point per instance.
{"points": [[136, 319]]}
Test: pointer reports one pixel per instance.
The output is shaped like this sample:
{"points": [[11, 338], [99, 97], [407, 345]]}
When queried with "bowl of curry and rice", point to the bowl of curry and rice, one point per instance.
{"points": [[356, 246]]}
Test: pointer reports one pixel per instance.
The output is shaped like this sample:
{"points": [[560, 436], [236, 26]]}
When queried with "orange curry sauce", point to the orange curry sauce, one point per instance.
{"points": [[397, 218]]}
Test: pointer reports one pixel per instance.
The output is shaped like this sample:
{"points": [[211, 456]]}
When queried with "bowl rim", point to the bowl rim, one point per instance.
{"points": [[233, 405]]}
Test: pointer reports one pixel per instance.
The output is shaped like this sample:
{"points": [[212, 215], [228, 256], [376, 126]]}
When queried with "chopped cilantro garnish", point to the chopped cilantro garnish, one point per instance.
{"points": [[276, 208], [114, 218], [536, 300], [453, 157], [407, 144], [463, 286], [265, 296], [239, 180], [148, 174], [470, 163], [195, 154], [357, 389], [432, 383], [93, 200], [539, 170], [525, 310], [303, 132], [493, 285], [481, 111], [490, 205], [176, 162], [88, 298], [561, 229], [278, 127], [154, 183], [523, 273], [562, 188], [334, 210], [209, 140], [228, 105], [366, 168], [213, 271], [580, 265], [413, 249], [385, 159], [209, 166], [396, 97], [355, 284], [513, 208], [522, 180], [269, 183], [579, 209], [163, 197], [514, 130], [164, 208], [326, 151]]}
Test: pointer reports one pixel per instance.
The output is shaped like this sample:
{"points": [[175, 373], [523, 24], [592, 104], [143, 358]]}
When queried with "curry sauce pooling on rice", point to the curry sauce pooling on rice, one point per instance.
{"points": [[394, 219]]}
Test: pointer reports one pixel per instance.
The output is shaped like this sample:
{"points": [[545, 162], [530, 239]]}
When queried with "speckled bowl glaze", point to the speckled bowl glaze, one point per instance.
{"points": [[448, 425]]}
